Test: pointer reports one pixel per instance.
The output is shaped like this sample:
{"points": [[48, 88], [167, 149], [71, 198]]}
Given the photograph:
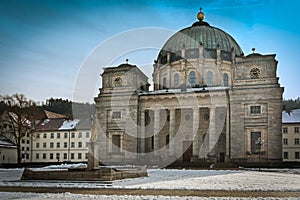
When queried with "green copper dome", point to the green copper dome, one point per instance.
{"points": [[191, 38]]}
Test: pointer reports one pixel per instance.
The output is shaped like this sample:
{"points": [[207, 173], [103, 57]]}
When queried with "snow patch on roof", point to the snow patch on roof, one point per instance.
{"points": [[291, 117], [5, 143], [69, 124], [46, 121], [170, 91]]}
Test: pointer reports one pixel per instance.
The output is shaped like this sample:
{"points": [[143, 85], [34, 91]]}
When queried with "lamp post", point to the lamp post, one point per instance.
{"points": [[259, 142]]}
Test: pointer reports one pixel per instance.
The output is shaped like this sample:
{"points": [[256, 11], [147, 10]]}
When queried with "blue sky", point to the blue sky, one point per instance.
{"points": [[44, 43]]}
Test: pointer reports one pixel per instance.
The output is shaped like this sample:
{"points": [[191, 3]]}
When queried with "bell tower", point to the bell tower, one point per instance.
{"points": [[117, 113]]}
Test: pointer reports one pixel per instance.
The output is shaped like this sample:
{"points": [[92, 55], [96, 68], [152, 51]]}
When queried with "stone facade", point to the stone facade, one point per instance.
{"points": [[210, 103]]}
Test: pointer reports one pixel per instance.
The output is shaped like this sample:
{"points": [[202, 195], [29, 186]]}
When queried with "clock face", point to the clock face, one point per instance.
{"points": [[254, 73], [118, 82]]}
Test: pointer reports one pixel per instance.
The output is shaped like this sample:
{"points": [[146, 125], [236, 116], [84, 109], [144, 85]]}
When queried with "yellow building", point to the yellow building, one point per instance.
{"points": [[61, 140], [291, 136]]}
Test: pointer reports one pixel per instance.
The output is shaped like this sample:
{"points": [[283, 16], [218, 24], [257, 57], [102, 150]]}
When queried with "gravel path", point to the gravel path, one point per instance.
{"points": [[139, 192]]}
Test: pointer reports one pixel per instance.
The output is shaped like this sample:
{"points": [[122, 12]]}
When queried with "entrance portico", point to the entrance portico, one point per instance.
{"points": [[186, 130]]}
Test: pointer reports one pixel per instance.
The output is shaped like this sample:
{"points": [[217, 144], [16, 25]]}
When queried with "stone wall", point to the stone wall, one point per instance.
{"points": [[103, 174]]}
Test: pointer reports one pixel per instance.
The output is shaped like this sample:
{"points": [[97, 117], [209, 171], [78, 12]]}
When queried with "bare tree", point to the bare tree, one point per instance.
{"points": [[17, 120]]}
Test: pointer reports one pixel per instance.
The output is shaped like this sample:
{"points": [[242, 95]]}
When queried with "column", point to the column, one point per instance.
{"points": [[169, 79], [227, 133], [212, 128], [172, 134], [142, 132], [156, 130], [195, 131]]}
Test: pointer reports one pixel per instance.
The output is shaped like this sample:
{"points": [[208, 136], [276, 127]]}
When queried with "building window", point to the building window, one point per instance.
{"points": [[285, 141], [65, 156], [52, 135], [37, 156], [167, 139], [57, 135], [255, 147], [164, 83], [44, 156], [58, 145], [27, 148], [38, 136], [206, 117], [37, 145], [209, 79], [116, 115], [79, 156], [297, 141], [27, 141], [286, 155], [296, 129], [65, 135], [57, 156], [23, 148], [192, 78], [297, 155], [176, 80], [72, 144], [116, 143], [79, 135], [79, 144], [45, 135], [225, 79], [51, 156], [86, 155], [51, 145], [285, 130], [72, 155], [72, 135], [152, 142], [65, 144], [23, 141], [87, 134], [44, 145], [255, 110]]}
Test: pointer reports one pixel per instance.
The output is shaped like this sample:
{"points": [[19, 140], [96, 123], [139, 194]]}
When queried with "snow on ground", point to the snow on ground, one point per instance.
{"points": [[69, 196], [214, 180], [242, 180], [176, 179]]}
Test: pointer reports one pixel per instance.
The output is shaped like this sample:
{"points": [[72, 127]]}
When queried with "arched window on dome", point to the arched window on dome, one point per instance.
{"points": [[225, 79], [164, 86], [176, 80], [209, 78], [192, 78]]}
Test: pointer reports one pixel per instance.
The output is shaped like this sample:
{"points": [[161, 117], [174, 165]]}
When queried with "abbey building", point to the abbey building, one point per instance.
{"points": [[210, 103]]}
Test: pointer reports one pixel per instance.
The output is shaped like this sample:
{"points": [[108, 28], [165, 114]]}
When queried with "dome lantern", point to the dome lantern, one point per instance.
{"points": [[200, 15]]}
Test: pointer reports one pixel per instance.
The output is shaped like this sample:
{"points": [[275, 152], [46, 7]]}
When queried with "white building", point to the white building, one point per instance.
{"points": [[291, 135], [8, 152]]}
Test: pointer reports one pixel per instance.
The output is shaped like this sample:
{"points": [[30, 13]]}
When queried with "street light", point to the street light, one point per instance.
{"points": [[259, 142]]}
